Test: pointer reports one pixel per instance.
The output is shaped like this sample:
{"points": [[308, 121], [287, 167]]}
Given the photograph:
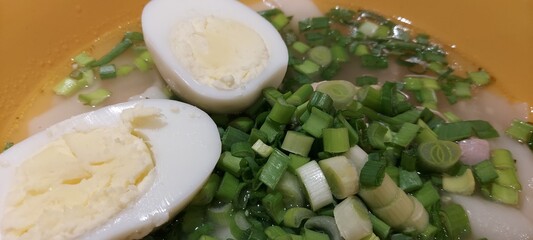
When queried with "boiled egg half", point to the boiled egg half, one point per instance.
{"points": [[114, 173], [216, 54]]}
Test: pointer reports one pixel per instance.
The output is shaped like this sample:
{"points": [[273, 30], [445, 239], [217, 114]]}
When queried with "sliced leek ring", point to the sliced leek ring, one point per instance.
{"points": [[382, 195], [316, 185], [419, 220], [342, 176], [351, 217], [398, 212]]}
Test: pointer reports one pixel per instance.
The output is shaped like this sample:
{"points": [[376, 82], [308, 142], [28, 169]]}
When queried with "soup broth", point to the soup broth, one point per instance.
{"points": [[487, 104]]}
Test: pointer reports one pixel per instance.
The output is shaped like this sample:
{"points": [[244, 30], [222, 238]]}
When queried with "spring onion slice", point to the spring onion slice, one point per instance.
{"points": [[321, 55], [336, 140], [325, 224], [464, 184], [294, 216], [352, 219], [220, 214], [397, 212], [289, 187], [341, 175], [341, 92], [297, 143], [316, 185], [95, 97], [357, 156], [455, 221], [274, 168], [262, 148], [419, 219], [380, 196], [438, 156]]}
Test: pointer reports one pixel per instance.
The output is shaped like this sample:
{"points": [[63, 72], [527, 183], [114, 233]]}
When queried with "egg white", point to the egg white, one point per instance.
{"points": [[159, 17], [185, 145]]}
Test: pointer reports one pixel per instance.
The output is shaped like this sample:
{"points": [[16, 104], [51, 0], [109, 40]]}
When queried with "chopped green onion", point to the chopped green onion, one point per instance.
{"points": [[372, 174], [108, 71], [313, 23], [301, 95], [339, 54], [230, 163], [409, 181], [353, 137], [308, 67], [294, 216], [504, 195], [233, 135], [464, 184], [297, 143], [281, 111], [419, 219], [314, 181], [341, 92], [315, 235], [274, 168], [520, 130], [368, 28], [244, 124], [320, 55], [300, 47], [465, 129], [124, 70], [336, 140], [406, 135], [262, 149], [325, 224], [95, 97], [220, 214], [438, 156], [83, 59], [380, 228], [279, 20], [427, 195], [352, 219], [289, 187], [341, 175], [361, 50], [378, 134], [369, 97], [273, 202], [479, 78], [272, 95], [317, 121], [398, 212], [455, 220], [121, 47], [144, 61], [321, 101], [228, 188], [67, 87], [296, 161], [462, 90], [271, 129], [485, 172]]}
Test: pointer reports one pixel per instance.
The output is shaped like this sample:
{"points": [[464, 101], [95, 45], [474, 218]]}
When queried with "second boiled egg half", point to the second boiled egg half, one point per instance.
{"points": [[216, 54]]}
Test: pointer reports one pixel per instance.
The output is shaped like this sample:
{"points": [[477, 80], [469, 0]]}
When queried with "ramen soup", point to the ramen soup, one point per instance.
{"points": [[306, 160]]}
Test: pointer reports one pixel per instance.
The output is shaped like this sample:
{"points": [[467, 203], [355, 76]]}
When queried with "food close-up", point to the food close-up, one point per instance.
{"points": [[272, 119]]}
